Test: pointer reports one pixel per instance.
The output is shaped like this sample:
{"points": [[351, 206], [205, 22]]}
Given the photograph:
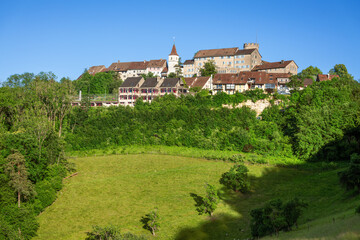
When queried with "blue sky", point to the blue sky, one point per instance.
{"points": [[66, 37]]}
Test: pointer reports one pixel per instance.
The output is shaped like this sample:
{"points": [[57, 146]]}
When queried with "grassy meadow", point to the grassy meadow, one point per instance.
{"points": [[120, 189]]}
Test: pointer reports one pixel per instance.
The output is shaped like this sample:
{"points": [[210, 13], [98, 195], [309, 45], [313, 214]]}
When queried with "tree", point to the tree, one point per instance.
{"points": [[151, 221], [275, 216], [295, 82], [172, 75], [148, 75], [178, 69], [350, 177], [310, 72], [208, 69], [341, 70], [236, 179], [207, 204], [17, 172]]}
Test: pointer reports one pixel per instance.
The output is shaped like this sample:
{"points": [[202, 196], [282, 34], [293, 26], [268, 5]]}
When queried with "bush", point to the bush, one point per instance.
{"points": [[275, 216], [236, 179], [207, 204], [15, 219], [46, 194], [350, 178], [357, 210], [103, 233], [151, 222], [110, 233]]}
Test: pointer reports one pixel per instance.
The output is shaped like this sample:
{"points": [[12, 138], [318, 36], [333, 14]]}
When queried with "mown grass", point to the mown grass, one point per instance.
{"points": [[120, 189]]}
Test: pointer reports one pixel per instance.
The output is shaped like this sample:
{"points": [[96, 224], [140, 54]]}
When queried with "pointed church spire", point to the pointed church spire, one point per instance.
{"points": [[173, 51]]}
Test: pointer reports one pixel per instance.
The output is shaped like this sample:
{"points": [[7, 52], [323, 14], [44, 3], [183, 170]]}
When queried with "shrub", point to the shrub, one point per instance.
{"points": [[207, 204], [151, 221], [350, 177], [103, 233], [275, 216], [236, 179], [357, 210], [46, 194]]}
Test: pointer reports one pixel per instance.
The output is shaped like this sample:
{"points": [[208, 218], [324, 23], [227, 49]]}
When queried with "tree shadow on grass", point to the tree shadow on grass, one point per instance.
{"points": [[316, 187]]}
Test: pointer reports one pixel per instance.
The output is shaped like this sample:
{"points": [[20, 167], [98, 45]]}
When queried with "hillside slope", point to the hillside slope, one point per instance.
{"points": [[120, 189]]}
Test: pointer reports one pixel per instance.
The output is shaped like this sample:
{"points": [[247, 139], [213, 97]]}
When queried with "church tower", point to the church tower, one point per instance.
{"points": [[173, 60]]}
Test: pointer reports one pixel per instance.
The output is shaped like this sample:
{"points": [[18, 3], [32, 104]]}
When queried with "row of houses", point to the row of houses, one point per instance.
{"points": [[226, 60], [148, 89]]}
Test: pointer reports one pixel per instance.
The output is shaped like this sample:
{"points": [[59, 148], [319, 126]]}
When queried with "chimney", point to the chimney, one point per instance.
{"points": [[282, 61], [118, 61]]}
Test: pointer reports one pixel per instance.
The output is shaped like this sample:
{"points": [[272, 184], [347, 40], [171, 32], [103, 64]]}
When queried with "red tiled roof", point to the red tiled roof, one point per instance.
{"points": [[245, 51], [189, 81], [156, 63], [243, 77], [217, 52], [308, 81], [189, 62], [96, 69], [196, 81], [165, 70], [325, 77], [173, 51], [200, 82], [272, 65]]}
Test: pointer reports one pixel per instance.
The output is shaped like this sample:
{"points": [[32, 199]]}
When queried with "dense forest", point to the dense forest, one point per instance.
{"points": [[38, 126]]}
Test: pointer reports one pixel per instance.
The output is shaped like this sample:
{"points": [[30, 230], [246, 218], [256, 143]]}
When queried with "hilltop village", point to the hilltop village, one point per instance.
{"points": [[237, 69]]}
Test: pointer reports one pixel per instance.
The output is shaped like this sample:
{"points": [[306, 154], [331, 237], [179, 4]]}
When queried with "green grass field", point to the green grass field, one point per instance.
{"points": [[120, 189]]}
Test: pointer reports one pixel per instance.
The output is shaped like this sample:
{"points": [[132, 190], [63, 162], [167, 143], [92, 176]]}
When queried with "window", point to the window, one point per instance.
{"points": [[269, 86], [230, 86]]}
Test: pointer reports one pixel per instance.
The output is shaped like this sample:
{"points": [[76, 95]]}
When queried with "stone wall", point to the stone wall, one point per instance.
{"points": [[258, 106]]}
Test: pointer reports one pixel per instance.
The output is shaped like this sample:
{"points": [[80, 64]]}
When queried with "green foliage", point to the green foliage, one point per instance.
{"points": [[208, 69], [18, 175], [341, 71], [151, 221], [104, 233], [171, 75], [275, 216], [207, 204], [19, 223], [357, 210], [236, 179], [100, 83], [148, 75], [310, 72], [350, 177], [295, 82]]}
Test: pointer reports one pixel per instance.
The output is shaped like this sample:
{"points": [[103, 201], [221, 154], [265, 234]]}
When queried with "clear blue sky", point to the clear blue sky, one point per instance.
{"points": [[66, 37]]}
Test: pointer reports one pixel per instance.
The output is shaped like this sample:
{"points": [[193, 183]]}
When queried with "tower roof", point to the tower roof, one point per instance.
{"points": [[173, 51]]}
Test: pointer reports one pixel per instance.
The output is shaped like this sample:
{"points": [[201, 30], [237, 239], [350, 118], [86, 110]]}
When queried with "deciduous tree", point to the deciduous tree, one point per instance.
{"points": [[17, 172]]}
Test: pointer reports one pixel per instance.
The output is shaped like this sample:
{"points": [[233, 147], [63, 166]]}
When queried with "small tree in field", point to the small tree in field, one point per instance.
{"points": [[207, 204], [151, 221], [18, 176], [236, 179], [350, 178]]}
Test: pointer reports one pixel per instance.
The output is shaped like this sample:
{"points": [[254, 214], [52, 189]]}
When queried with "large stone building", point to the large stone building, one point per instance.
{"points": [[135, 69], [227, 60]]}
